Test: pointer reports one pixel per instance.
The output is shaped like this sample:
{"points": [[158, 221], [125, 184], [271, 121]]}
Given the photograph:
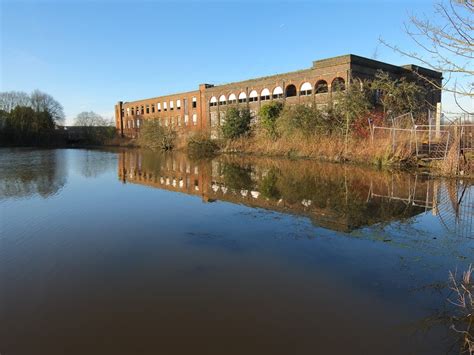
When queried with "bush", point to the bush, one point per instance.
{"points": [[154, 136], [237, 123], [201, 146], [268, 116], [300, 118]]}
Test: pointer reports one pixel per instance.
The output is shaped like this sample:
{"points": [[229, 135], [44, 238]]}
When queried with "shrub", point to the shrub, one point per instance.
{"points": [[268, 116], [201, 146], [299, 118], [399, 96], [154, 136], [237, 123]]}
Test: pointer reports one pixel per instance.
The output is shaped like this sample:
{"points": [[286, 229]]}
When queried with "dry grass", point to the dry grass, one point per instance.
{"points": [[463, 300], [325, 147]]}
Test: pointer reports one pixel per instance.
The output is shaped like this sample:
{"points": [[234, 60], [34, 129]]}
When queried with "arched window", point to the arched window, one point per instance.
{"points": [[306, 89], [158, 105], [242, 97], [133, 111], [232, 99], [213, 101], [222, 100], [277, 92], [338, 84], [265, 95], [178, 104], [321, 87], [290, 90], [253, 96], [171, 105], [194, 101], [165, 106]]}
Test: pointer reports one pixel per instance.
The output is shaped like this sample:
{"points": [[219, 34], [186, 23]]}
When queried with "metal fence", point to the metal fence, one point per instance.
{"points": [[425, 141]]}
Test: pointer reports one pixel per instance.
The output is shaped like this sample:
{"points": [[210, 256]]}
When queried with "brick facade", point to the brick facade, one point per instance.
{"points": [[204, 109]]}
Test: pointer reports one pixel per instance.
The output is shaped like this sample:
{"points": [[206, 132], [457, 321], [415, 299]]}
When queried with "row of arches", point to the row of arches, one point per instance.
{"points": [[305, 89]]}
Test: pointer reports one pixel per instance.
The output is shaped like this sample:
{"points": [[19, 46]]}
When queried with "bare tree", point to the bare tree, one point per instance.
{"points": [[11, 99], [42, 102], [90, 119], [446, 42]]}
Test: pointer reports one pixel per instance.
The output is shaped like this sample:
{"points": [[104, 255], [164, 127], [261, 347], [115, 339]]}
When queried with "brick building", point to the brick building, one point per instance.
{"points": [[204, 109]]}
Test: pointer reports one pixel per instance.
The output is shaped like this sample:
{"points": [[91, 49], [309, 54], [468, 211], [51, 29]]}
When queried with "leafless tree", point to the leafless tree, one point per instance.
{"points": [[446, 44], [11, 99], [90, 119], [42, 102]]}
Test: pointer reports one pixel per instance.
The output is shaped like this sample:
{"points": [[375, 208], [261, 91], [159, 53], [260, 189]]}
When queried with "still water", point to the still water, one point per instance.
{"points": [[133, 252]]}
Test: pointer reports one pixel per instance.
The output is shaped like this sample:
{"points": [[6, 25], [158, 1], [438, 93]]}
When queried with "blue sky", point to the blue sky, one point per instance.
{"points": [[91, 54]]}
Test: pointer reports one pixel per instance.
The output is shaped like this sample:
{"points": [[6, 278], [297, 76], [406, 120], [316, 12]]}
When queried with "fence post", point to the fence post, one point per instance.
{"points": [[393, 140], [446, 150], [416, 143]]}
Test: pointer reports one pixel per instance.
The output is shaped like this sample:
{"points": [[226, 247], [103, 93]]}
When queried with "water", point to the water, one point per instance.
{"points": [[132, 252]]}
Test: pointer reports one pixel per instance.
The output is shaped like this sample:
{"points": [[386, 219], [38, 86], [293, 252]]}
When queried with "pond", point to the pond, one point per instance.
{"points": [[135, 252]]}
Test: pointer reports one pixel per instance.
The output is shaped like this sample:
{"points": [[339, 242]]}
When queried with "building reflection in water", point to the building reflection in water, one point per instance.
{"points": [[334, 196]]}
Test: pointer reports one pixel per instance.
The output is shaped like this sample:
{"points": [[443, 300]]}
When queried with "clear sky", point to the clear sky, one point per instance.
{"points": [[91, 54]]}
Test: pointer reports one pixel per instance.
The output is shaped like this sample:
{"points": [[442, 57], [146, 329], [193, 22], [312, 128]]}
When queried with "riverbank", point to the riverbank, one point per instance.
{"points": [[356, 151]]}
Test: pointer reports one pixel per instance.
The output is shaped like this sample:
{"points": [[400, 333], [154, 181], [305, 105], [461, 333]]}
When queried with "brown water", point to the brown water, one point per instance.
{"points": [[132, 252]]}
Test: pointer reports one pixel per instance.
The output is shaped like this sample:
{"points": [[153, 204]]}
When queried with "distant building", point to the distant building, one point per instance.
{"points": [[204, 109]]}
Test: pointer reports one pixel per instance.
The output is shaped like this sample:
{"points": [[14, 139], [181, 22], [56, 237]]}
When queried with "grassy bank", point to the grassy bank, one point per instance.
{"points": [[332, 148]]}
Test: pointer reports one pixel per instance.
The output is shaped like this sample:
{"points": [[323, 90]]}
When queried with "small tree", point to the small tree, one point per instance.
{"points": [[268, 115], [237, 122], [399, 96], [352, 105], [155, 136]]}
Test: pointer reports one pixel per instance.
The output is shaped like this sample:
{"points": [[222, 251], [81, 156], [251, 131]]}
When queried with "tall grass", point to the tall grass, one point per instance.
{"points": [[329, 147], [463, 300]]}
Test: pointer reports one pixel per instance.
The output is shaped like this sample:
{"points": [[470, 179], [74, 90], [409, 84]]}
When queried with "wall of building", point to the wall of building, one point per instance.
{"points": [[315, 85]]}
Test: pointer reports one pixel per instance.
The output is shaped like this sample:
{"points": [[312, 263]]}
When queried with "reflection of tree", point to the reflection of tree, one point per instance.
{"points": [[26, 173], [268, 185], [456, 312], [237, 176], [95, 163], [334, 196]]}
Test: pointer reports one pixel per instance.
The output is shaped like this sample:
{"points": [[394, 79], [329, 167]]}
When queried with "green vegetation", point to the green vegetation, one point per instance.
{"points": [[399, 96], [268, 115], [237, 123], [24, 126], [155, 136], [29, 119]]}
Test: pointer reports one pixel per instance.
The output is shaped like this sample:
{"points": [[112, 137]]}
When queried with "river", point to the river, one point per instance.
{"points": [[135, 252]]}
